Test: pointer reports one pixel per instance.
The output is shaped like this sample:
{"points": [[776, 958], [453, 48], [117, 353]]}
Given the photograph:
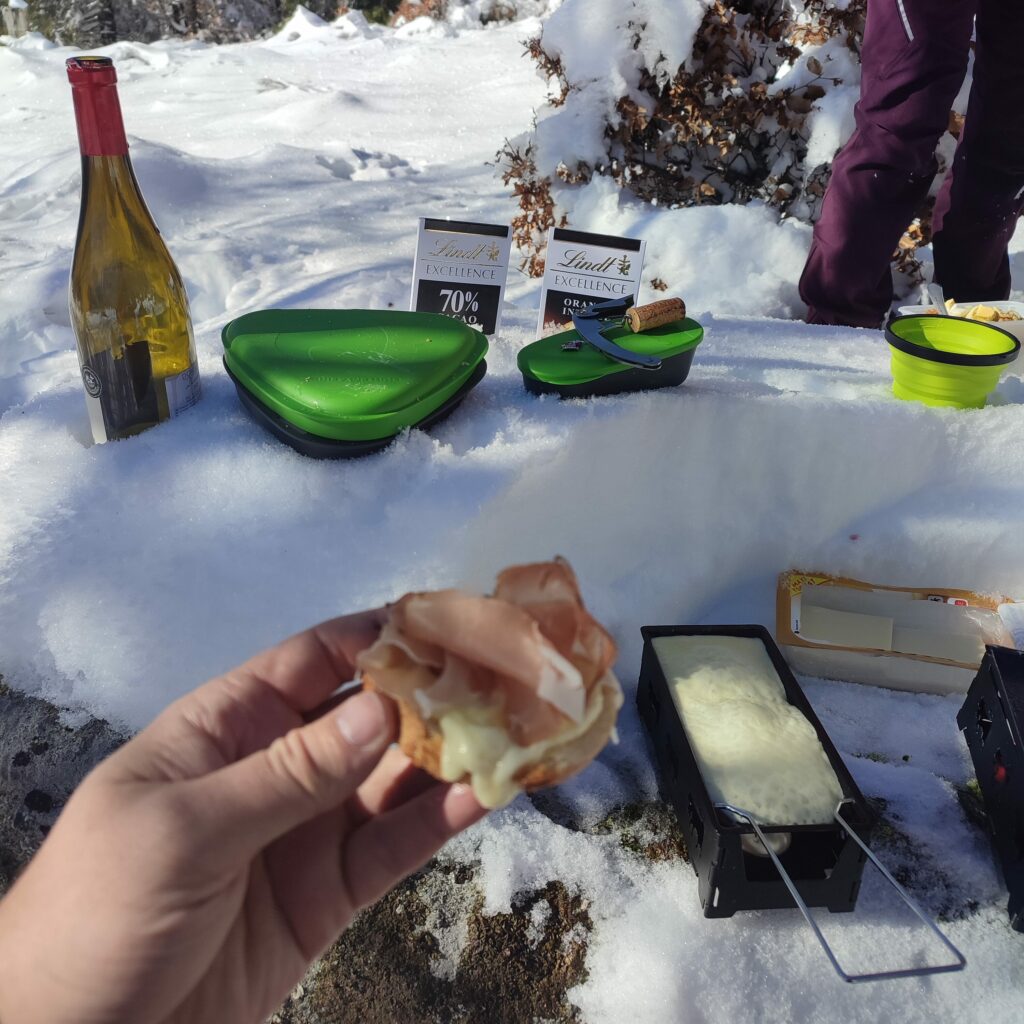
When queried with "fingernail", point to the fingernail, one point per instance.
{"points": [[462, 802], [362, 719]]}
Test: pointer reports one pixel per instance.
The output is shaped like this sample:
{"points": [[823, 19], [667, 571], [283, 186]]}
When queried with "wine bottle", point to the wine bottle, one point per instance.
{"points": [[129, 309]]}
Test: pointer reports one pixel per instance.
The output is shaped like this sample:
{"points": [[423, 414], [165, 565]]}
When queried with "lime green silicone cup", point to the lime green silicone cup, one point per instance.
{"points": [[943, 360]]}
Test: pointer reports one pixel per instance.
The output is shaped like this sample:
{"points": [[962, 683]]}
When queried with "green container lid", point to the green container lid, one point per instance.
{"points": [[947, 361], [352, 375], [546, 360]]}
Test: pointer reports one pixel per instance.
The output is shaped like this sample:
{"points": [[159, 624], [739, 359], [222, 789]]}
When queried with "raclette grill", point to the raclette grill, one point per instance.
{"points": [[733, 855], [822, 859], [991, 720]]}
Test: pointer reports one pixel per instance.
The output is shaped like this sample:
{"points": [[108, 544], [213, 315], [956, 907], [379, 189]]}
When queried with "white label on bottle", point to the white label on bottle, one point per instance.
{"points": [[183, 391], [99, 431]]}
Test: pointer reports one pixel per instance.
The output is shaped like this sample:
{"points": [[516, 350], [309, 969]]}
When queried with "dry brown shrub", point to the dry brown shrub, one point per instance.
{"points": [[410, 9]]}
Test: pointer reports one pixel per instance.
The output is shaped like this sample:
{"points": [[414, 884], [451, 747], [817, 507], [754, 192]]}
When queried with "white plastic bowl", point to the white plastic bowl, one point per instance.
{"points": [[1014, 327]]}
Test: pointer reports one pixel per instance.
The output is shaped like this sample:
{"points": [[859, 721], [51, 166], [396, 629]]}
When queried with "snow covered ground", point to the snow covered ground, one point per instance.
{"points": [[291, 172]]}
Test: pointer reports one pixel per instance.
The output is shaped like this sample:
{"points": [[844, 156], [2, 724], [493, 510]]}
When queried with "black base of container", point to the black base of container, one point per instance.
{"points": [[991, 720], [317, 447], [673, 371], [823, 861]]}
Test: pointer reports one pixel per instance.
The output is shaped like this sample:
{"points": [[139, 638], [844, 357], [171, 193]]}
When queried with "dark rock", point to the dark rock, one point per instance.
{"points": [[51, 759], [39, 802]]}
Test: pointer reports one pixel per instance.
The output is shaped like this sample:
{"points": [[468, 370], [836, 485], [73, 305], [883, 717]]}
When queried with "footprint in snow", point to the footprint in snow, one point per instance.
{"points": [[365, 165]]}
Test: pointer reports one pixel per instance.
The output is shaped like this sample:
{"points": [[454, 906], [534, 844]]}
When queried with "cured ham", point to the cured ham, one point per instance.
{"points": [[512, 690]]}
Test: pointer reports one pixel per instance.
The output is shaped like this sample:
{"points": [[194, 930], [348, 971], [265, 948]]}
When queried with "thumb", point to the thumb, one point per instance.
{"points": [[301, 775]]}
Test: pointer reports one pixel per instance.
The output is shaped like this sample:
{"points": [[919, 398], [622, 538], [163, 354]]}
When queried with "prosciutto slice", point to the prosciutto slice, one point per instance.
{"points": [[532, 649]]}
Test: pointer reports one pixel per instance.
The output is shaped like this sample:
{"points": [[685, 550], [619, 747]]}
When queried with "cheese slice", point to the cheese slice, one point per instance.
{"points": [[960, 647], [845, 629]]}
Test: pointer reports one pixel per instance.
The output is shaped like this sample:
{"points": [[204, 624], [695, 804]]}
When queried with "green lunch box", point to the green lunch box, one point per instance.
{"points": [[338, 383], [605, 355]]}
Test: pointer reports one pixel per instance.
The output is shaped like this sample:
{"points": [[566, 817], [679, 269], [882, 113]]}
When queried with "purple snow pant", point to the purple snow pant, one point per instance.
{"points": [[914, 60]]}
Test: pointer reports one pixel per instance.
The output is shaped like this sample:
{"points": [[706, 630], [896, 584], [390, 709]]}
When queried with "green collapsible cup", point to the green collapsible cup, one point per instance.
{"points": [[947, 361]]}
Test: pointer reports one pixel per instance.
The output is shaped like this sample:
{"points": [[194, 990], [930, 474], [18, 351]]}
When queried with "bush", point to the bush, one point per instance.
{"points": [[91, 23], [690, 102]]}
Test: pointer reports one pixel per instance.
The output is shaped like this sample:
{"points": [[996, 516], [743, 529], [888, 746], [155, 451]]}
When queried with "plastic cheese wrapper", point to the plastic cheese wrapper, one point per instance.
{"points": [[755, 750], [508, 692], [924, 639]]}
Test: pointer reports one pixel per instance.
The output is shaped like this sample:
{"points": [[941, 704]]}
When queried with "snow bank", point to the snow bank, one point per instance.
{"points": [[302, 26], [596, 44], [599, 39], [731, 259]]}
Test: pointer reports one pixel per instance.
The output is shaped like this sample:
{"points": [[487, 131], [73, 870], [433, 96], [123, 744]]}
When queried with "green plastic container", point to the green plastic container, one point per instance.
{"points": [[947, 361], [548, 366], [337, 383]]}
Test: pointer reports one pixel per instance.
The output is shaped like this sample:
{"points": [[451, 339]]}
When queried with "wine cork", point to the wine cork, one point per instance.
{"points": [[654, 314]]}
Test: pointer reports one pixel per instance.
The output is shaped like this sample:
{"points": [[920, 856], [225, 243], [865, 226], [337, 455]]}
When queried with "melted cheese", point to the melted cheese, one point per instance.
{"points": [[477, 744], [755, 750]]}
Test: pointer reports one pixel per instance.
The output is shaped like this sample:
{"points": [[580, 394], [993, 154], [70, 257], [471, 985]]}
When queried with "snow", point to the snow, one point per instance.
{"points": [[291, 172], [730, 259], [596, 44], [594, 38], [831, 121], [303, 25]]}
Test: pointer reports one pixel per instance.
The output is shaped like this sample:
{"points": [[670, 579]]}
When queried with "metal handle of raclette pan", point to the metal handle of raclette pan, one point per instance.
{"points": [[616, 313], [905, 972]]}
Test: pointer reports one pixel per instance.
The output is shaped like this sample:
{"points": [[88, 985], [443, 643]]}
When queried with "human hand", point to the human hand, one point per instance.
{"points": [[197, 871]]}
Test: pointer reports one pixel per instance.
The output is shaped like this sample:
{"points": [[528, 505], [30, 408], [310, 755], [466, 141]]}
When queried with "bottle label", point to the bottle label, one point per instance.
{"points": [[183, 391], [93, 390], [121, 394], [93, 385], [122, 389]]}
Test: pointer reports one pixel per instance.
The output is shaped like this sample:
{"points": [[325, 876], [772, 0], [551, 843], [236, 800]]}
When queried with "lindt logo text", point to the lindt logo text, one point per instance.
{"points": [[447, 249], [579, 259]]}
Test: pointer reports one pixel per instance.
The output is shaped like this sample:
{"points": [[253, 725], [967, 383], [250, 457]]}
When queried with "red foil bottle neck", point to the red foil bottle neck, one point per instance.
{"points": [[97, 108]]}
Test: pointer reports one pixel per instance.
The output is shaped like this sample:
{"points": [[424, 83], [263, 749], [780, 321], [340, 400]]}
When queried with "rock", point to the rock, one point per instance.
{"points": [[41, 762]]}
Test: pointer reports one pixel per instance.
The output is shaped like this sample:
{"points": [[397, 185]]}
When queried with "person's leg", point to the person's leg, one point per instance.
{"points": [[978, 207], [913, 63]]}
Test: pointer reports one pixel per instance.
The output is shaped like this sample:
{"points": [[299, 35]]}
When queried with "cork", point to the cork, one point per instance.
{"points": [[655, 314]]}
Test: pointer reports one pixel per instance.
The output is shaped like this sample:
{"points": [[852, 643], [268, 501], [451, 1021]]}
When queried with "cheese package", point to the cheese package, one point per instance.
{"points": [[928, 640]]}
